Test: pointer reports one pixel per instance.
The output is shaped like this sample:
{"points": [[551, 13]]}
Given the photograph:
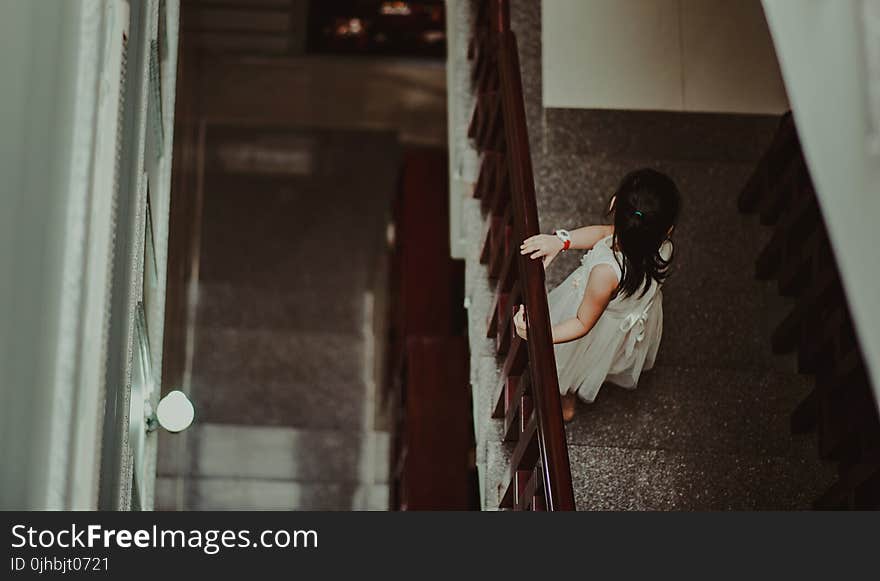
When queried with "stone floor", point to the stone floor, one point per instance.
{"points": [[707, 429], [285, 349]]}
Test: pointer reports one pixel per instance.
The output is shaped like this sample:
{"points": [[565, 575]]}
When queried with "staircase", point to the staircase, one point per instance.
{"points": [[709, 427], [285, 363]]}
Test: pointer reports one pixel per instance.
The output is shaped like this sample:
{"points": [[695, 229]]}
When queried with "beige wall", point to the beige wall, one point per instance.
{"points": [[679, 55]]}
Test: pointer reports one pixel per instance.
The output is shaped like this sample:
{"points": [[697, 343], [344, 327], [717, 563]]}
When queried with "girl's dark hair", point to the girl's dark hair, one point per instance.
{"points": [[646, 207]]}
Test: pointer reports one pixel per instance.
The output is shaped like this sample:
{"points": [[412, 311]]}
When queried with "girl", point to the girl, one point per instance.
{"points": [[607, 315]]}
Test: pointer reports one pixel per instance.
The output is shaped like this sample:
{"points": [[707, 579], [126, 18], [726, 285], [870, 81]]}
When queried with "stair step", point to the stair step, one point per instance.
{"points": [[289, 307], [277, 453], [658, 134], [283, 379], [260, 494], [608, 478], [714, 327], [247, 467], [270, 259], [699, 410]]}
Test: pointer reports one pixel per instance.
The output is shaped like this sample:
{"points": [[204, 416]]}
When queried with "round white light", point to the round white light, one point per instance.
{"points": [[175, 412]]}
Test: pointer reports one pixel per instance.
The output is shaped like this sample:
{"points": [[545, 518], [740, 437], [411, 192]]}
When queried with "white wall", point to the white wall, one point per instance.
{"points": [[678, 55], [59, 230], [821, 51], [41, 60]]}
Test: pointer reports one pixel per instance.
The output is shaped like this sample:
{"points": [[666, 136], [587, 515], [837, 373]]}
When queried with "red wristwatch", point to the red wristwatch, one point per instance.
{"points": [[565, 236]]}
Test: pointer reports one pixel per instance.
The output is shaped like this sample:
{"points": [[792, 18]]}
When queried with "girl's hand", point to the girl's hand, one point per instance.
{"points": [[519, 322], [545, 246]]}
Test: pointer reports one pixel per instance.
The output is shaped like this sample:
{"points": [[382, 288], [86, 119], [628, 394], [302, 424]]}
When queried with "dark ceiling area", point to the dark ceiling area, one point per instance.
{"points": [[415, 28], [296, 27]]}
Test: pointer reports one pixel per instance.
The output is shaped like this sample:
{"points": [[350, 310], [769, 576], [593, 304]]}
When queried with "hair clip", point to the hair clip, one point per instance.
{"points": [[639, 214]]}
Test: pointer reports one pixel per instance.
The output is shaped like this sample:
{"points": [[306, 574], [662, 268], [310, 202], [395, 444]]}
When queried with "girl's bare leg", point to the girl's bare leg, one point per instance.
{"points": [[569, 406]]}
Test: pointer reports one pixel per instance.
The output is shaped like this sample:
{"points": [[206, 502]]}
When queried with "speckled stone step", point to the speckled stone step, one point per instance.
{"points": [[233, 451], [259, 467], [699, 410], [291, 307], [664, 135], [261, 494], [611, 478], [278, 378]]}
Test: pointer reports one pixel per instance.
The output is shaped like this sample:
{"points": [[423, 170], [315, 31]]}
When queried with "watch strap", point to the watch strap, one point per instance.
{"points": [[565, 236]]}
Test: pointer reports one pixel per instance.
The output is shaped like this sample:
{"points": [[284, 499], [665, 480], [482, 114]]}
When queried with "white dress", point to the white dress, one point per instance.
{"points": [[622, 343]]}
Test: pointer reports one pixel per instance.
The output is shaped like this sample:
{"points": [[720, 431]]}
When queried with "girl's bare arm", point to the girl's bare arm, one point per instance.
{"points": [[547, 246], [600, 288], [585, 238]]}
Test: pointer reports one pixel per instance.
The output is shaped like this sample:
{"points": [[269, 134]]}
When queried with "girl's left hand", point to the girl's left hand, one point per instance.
{"points": [[519, 322]]}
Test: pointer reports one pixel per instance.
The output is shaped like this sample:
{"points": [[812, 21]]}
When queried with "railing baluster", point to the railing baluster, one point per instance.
{"points": [[799, 257]]}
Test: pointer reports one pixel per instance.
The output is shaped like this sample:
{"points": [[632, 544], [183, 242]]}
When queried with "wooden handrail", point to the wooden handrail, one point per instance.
{"points": [[500, 95]]}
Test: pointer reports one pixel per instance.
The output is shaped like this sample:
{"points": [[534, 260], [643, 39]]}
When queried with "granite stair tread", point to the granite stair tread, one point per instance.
{"points": [[306, 305], [611, 478], [669, 135], [278, 453], [261, 494], [742, 411], [260, 467]]}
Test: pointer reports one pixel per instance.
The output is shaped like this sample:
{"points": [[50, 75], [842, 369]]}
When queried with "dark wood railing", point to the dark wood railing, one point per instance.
{"points": [[799, 257], [529, 402]]}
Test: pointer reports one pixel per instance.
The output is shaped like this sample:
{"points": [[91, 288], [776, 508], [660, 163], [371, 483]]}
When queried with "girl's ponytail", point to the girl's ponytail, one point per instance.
{"points": [[646, 207]]}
